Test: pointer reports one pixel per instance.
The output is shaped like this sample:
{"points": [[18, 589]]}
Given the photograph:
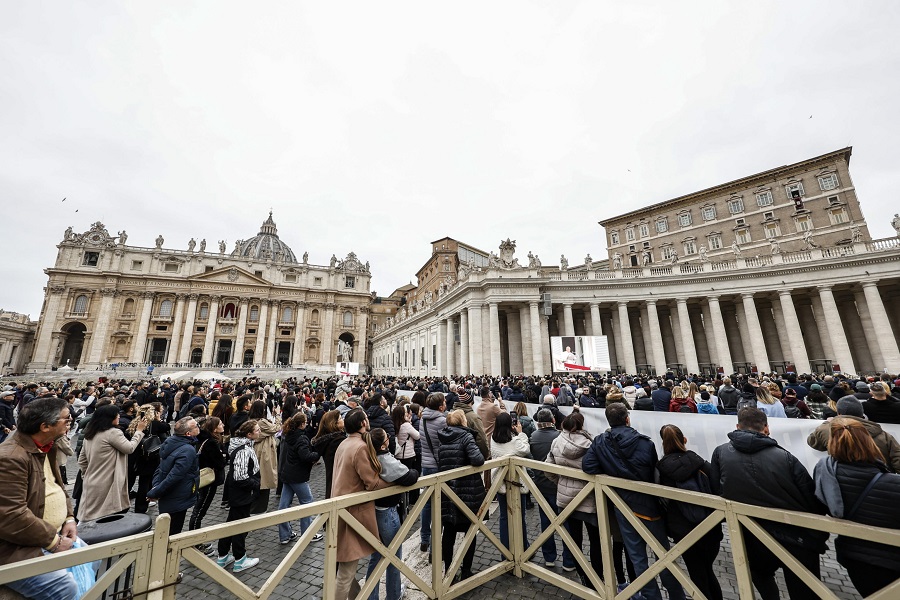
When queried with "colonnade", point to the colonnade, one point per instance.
{"points": [[813, 328]]}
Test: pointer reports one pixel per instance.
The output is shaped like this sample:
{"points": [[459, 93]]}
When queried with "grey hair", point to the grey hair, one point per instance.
{"points": [[40, 411], [181, 426]]}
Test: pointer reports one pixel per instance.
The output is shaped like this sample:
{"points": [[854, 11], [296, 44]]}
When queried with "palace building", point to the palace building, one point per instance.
{"points": [[775, 271], [107, 302]]}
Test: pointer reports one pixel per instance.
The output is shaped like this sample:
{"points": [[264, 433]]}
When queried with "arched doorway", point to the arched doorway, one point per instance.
{"points": [[196, 356], [345, 347], [71, 353]]}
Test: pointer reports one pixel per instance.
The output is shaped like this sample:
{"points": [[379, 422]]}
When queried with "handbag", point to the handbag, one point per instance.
{"points": [[151, 445], [207, 476]]}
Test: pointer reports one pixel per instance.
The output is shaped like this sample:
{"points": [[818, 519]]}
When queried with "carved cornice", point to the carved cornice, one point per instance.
{"points": [[109, 292]]}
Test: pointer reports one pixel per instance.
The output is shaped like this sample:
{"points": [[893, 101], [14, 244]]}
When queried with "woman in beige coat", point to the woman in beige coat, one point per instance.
{"points": [[264, 446], [104, 464]]}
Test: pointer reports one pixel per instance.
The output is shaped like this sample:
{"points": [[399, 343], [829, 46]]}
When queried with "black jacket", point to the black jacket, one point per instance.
{"points": [[681, 470], [237, 419], [458, 449], [297, 459], [6, 415], [879, 508], [540, 442], [754, 469], [378, 417], [326, 446], [624, 452], [210, 454]]}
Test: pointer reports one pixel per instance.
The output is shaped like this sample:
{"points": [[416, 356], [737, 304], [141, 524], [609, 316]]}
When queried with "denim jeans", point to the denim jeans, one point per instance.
{"points": [[56, 585], [548, 548], [388, 525], [425, 531], [504, 522], [636, 548], [304, 496]]}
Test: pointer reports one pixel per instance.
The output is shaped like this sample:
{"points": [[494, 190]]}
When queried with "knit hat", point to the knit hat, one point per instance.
{"points": [[704, 396], [851, 406], [862, 386], [790, 392]]}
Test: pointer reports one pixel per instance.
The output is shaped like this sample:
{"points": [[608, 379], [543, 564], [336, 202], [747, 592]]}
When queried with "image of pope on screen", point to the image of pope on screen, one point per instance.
{"points": [[579, 353]]}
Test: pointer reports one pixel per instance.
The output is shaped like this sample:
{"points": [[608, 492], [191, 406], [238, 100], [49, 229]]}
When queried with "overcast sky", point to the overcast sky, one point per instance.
{"points": [[377, 127]]}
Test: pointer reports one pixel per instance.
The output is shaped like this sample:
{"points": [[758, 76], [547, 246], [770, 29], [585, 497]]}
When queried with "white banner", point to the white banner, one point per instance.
{"points": [[706, 432]]}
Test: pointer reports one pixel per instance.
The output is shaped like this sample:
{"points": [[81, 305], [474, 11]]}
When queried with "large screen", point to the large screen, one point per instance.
{"points": [[574, 353], [346, 369]]}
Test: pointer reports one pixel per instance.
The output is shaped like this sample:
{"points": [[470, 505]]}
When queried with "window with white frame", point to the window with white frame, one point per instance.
{"points": [[684, 219], [690, 247], [768, 215], [629, 234], [715, 242], [662, 225], [736, 205], [708, 212], [828, 182], [772, 230], [834, 200], [804, 223], [743, 236], [614, 238], [794, 187], [644, 230], [668, 252], [837, 216], [350, 281], [764, 198]]}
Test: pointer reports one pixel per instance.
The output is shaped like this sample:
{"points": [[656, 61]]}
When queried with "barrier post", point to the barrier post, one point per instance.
{"points": [[158, 556]]}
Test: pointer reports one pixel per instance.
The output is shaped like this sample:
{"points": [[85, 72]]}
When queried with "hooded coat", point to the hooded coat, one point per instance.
{"points": [[681, 470], [297, 457], [430, 424], [459, 449], [890, 449], [568, 450], [754, 469], [326, 446], [624, 452]]}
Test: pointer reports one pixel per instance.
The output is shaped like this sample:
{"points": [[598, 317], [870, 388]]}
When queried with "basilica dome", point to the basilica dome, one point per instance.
{"points": [[265, 245]]}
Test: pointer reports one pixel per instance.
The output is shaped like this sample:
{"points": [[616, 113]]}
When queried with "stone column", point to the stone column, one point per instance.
{"points": [[476, 341], [887, 344], [441, 341], [710, 333], [464, 342], [101, 327], [537, 353], [514, 339], [596, 326], [822, 326], [780, 329], [184, 355], [771, 339], [450, 349], [680, 356], [259, 353], [300, 335], [568, 326], [668, 334], [842, 354], [177, 324], [209, 340], [43, 352], [545, 344], [138, 350], [869, 332], [757, 342], [237, 355], [494, 323], [627, 345], [329, 341], [274, 316], [698, 328], [851, 324], [793, 333], [687, 337], [723, 353], [527, 342], [744, 336], [657, 352]]}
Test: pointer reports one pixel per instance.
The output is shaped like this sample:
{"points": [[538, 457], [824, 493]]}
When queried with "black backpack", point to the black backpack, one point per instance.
{"points": [[729, 399], [746, 401], [792, 411]]}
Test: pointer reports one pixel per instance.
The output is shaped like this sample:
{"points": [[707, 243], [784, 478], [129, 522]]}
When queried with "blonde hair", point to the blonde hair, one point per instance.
{"points": [[149, 417], [456, 418]]}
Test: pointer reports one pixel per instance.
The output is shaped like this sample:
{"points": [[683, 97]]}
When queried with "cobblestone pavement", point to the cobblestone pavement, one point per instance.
{"points": [[304, 581]]}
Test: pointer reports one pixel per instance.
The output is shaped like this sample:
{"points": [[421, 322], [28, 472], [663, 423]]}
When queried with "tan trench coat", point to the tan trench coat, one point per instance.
{"points": [[104, 472], [264, 447], [354, 473]]}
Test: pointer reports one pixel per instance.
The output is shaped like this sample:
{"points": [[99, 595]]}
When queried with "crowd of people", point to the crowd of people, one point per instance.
{"points": [[178, 444]]}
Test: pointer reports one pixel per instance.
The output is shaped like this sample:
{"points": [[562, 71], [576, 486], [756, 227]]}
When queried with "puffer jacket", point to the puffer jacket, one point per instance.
{"points": [[890, 449], [297, 457], [680, 469], [430, 424], [518, 446], [626, 453], [378, 417], [754, 469], [879, 508], [177, 479], [458, 449], [568, 450]]}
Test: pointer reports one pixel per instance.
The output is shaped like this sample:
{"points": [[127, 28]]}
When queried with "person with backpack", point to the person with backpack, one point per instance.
{"points": [[685, 469], [729, 397], [794, 408], [766, 403], [242, 487], [681, 401]]}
